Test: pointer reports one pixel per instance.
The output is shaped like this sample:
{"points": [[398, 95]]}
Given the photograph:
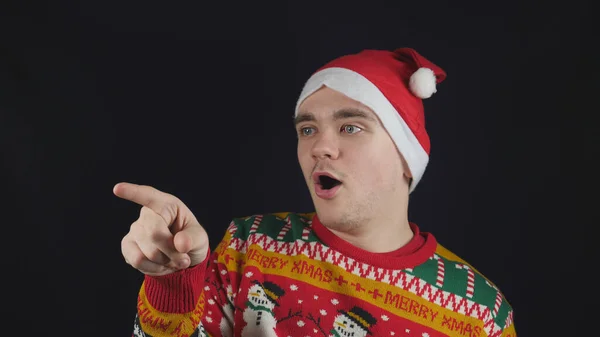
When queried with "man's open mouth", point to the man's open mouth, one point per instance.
{"points": [[328, 182]]}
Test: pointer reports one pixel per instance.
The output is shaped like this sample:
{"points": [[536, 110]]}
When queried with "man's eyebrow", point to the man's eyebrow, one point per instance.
{"points": [[339, 114], [304, 117], [353, 113]]}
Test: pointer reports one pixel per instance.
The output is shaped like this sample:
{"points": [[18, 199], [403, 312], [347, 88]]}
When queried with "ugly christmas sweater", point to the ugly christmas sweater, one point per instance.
{"points": [[288, 275]]}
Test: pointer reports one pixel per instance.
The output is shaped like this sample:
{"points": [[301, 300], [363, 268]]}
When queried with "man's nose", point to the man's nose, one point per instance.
{"points": [[326, 146]]}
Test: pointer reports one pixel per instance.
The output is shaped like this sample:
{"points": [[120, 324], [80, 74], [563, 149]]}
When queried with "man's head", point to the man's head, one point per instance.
{"points": [[360, 120], [350, 163]]}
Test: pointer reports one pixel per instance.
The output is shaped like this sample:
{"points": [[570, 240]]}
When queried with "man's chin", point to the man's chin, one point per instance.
{"points": [[325, 206], [329, 215]]}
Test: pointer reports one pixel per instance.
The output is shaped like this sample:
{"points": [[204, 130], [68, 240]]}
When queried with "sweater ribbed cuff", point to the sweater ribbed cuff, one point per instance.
{"points": [[178, 292]]}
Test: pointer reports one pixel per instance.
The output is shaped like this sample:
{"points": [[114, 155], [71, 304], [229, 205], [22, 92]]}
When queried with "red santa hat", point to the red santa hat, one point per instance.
{"points": [[393, 84]]}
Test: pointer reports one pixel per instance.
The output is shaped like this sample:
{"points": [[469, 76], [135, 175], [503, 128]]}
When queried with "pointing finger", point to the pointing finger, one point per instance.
{"points": [[162, 203], [140, 194]]}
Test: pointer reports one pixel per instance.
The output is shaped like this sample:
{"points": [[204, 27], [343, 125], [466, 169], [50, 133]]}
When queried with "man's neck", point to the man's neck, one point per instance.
{"points": [[381, 236]]}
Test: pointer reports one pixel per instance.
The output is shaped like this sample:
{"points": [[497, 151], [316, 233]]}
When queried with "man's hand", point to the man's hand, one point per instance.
{"points": [[166, 237]]}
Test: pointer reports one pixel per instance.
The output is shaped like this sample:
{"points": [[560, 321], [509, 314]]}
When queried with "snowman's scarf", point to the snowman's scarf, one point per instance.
{"points": [[335, 333], [259, 307]]}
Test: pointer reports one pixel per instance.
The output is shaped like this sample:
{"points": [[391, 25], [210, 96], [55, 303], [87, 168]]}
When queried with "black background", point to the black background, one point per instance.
{"points": [[196, 99]]}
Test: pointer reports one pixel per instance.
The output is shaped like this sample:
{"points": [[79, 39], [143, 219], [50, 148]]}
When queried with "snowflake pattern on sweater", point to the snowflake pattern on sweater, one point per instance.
{"points": [[286, 274]]}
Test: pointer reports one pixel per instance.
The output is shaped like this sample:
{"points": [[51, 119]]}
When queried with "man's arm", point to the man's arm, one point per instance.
{"points": [[171, 248], [192, 302]]}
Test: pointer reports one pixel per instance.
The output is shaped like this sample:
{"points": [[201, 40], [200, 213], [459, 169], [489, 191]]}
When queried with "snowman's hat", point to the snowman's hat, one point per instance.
{"points": [[360, 317], [273, 291]]}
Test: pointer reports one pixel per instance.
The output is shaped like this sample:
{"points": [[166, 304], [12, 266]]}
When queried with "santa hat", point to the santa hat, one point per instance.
{"points": [[393, 84]]}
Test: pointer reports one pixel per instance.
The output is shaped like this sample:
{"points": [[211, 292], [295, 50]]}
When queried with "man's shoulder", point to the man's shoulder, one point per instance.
{"points": [[455, 261], [473, 285], [280, 226]]}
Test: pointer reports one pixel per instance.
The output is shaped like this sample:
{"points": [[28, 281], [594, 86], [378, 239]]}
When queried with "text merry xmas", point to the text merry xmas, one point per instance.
{"points": [[398, 301]]}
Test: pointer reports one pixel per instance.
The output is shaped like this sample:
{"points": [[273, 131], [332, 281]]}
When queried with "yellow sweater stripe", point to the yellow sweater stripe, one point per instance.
{"points": [[158, 323], [509, 331]]}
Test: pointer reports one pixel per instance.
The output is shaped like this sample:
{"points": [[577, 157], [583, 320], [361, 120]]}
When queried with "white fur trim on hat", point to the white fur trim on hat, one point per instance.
{"points": [[359, 88], [422, 83]]}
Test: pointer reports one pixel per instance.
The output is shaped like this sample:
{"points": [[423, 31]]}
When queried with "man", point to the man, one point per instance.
{"points": [[355, 267]]}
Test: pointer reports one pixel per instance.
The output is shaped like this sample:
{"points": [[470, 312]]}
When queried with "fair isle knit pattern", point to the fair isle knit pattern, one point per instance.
{"points": [[288, 281]]}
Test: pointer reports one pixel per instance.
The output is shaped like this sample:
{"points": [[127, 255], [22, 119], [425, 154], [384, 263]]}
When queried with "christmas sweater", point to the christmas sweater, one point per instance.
{"points": [[286, 274]]}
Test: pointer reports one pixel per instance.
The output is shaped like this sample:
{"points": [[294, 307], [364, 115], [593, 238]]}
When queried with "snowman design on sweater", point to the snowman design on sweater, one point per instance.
{"points": [[353, 323], [228, 310], [258, 315]]}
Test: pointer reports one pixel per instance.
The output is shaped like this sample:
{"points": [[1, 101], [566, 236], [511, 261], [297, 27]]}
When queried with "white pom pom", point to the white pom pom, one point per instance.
{"points": [[422, 83]]}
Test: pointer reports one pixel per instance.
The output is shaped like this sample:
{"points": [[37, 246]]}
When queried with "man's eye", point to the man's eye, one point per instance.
{"points": [[306, 131], [350, 128]]}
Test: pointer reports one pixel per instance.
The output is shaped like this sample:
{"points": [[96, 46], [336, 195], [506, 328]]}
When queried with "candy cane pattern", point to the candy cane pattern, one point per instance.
{"points": [[285, 229], [257, 221], [497, 304], [509, 319], [470, 279], [232, 228], [439, 282], [305, 233], [498, 298]]}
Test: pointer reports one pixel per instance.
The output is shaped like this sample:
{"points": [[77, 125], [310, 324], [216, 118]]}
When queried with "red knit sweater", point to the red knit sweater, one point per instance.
{"points": [[288, 275]]}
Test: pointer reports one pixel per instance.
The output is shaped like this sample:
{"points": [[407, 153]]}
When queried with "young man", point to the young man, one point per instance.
{"points": [[355, 267]]}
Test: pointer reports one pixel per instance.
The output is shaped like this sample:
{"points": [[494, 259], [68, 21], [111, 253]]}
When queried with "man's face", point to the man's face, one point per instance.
{"points": [[343, 139]]}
